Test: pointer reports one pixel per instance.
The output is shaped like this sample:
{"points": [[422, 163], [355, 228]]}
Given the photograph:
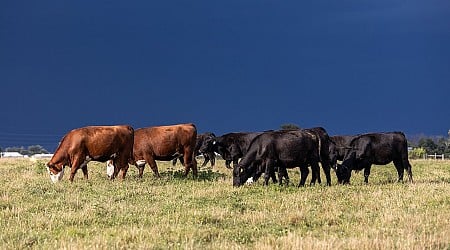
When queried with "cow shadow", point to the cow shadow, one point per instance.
{"points": [[203, 175]]}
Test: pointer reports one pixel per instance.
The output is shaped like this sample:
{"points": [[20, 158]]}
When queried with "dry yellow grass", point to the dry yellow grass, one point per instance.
{"points": [[208, 213]]}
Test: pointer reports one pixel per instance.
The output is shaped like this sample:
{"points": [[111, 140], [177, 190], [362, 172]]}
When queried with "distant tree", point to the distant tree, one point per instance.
{"points": [[31, 150], [14, 149], [429, 145], [289, 126], [443, 146], [37, 149]]}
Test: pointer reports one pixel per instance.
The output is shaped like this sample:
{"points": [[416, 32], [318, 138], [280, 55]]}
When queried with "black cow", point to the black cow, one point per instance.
{"points": [[375, 148], [231, 146], [326, 153], [208, 154], [338, 147], [284, 149]]}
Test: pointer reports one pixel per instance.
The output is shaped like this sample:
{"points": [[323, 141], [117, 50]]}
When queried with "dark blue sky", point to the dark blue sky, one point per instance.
{"points": [[351, 66]]}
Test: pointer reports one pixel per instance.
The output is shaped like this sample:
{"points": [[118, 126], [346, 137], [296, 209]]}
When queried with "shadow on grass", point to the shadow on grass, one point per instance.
{"points": [[203, 175], [438, 180]]}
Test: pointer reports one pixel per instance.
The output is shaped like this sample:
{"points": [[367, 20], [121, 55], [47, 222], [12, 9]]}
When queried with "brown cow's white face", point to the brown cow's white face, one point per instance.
{"points": [[55, 176], [109, 168]]}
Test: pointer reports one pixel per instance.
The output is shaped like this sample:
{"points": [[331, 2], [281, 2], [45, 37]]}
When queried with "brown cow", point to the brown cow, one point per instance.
{"points": [[98, 143], [165, 143]]}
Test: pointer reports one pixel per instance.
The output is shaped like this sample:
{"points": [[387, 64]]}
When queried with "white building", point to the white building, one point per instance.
{"points": [[11, 155]]}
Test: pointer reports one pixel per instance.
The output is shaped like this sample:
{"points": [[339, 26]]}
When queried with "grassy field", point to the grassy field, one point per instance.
{"points": [[208, 213]]}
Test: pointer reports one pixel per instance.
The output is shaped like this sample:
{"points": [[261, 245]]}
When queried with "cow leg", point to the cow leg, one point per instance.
{"points": [[304, 171], [315, 168], [228, 163], [286, 176], [406, 165], [326, 169], [274, 177], [140, 168], [181, 158], [116, 170], [282, 172], [75, 164], [367, 173], [212, 158], [194, 167], [189, 162], [153, 166], [269, 170], [85, 170], [124, 172], [206, 157], [280, 175], [318, 175], [400, 170], [257, 174], [401, 166], [174, 162], [123, 165]]}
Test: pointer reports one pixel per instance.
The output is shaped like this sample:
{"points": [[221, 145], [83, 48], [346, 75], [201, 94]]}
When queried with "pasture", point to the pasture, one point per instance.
{"points": [[208, 213]]}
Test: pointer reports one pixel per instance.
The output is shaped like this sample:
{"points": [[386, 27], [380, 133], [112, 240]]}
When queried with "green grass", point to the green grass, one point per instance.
{"points": [[208, 213]]}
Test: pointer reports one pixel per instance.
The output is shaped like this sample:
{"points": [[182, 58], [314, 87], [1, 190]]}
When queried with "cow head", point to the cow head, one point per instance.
{"points": [[242, 174], [56, 171], [343, 174], [344, 170], [208, 144], [110, 168]]}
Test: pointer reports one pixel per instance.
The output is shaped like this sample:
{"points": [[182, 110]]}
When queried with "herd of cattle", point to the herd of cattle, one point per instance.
{"points": [[267, 152]]}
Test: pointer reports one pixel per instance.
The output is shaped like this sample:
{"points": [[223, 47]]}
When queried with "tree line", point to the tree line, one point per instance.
{"points": [[429, 146], [30, 150]]}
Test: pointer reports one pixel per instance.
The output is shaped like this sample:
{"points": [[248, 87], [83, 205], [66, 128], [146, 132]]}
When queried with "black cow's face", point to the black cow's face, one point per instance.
{"points": [[343, 174], [207, 145], [236, 176], [241, 174]]}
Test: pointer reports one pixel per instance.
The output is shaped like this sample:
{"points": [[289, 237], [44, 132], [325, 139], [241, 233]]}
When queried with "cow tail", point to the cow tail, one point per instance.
{"points": [[314, 134], [320, 148]]}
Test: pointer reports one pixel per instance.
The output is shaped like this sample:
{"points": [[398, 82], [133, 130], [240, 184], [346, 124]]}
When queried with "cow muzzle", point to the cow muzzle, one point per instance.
{"points": [[56, 177]]}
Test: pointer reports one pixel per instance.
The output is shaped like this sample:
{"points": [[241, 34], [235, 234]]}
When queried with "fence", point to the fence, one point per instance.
{"points": [[435, 156]]}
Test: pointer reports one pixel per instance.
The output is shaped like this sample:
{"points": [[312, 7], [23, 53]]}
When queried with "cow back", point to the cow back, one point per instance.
{"points": [[164, 141], [379, 148]]}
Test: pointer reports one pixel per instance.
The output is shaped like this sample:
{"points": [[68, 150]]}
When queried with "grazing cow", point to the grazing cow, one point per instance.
{"points": [[326, 152], [98, 143], [340, 143], [165, 143], [208, 155], [284, 149], [375, 148], [231, 146]]}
